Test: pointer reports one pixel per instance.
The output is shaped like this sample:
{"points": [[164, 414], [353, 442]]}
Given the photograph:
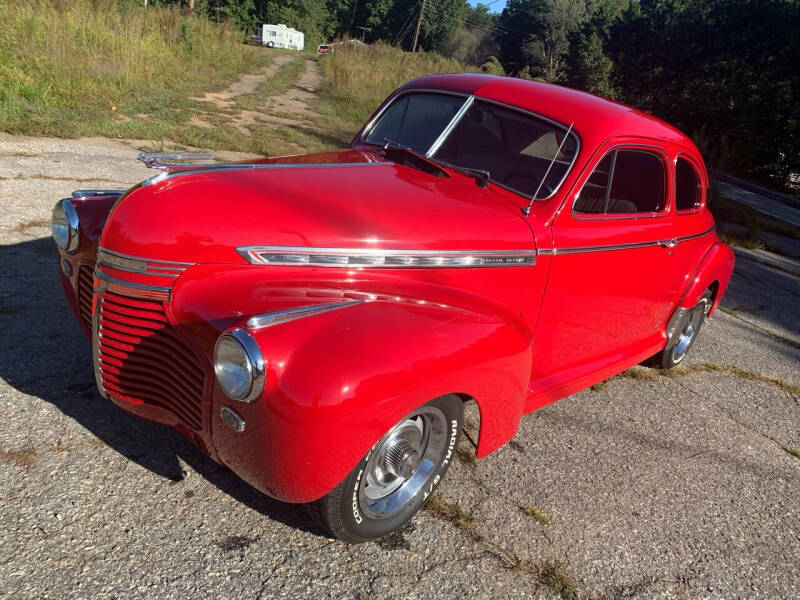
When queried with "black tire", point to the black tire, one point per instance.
{"points": [[686, 332], [347, 511]]}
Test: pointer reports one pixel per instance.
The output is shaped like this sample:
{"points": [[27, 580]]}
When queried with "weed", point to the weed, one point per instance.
{"points": [[553, 575], [452, 512], [684, 370], [32, 224], [59, 446], [24, 458], [599, 386], [537, 514], [466, 456], [793, 451], [641, 374]]}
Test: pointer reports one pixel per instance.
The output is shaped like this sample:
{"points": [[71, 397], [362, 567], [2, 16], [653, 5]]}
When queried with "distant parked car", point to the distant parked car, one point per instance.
{"points": [[325, 49], [316, 323]]}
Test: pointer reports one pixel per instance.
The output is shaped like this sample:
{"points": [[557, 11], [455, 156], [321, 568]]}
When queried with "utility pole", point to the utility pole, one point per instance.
{"points": [[419, 22]]}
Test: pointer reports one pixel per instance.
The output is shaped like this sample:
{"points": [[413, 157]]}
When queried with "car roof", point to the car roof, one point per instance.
{"points": [[596, 119]]}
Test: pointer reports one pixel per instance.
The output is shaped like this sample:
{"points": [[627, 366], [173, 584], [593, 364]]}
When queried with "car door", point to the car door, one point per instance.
{"points": [[611, 283]]}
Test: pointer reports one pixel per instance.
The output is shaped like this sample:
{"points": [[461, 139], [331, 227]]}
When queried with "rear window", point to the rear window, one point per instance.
{"points": [[688, 194], [625, 182]]}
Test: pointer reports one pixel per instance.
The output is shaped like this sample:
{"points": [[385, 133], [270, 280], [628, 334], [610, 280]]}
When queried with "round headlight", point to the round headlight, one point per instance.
{"points": [[239, 366], [64, 226]]}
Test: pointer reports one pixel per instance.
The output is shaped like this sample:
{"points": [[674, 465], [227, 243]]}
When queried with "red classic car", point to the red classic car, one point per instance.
{"points": [[317, 322]]}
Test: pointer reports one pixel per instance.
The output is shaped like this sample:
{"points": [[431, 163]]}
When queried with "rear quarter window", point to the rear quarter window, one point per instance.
{"points": [[688, 191]]}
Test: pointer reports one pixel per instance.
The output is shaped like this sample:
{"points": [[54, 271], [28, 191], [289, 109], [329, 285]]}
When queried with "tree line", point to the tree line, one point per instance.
{"points": [[725, 71]]}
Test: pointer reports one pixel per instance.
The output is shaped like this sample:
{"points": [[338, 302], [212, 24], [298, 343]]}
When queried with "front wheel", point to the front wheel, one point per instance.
{"points": [[391, 483], [685, 335]]}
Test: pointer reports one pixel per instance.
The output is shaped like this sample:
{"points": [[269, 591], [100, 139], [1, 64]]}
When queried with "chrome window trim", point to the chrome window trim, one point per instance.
{"points": [[291, 314], [450, 126], [703, 192], [667, 243], [377, 258], [391, 100], [663, 155], [170, 174]]}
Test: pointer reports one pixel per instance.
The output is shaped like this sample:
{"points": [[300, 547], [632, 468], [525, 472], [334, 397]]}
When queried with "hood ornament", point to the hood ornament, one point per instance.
{"points": [[175, 160]]}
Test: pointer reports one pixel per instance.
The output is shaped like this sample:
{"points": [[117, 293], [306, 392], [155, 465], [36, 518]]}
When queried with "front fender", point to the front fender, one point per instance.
{"points": [[337, 381], [716, 267]]}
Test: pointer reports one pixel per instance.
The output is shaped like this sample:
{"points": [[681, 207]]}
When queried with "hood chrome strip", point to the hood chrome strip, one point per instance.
{"points": [[291, 314], [198, 169], [380, 258]]}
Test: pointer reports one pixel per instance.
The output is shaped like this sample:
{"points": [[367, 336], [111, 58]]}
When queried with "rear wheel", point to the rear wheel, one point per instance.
{"points": [[391, 483], [686, 332]]}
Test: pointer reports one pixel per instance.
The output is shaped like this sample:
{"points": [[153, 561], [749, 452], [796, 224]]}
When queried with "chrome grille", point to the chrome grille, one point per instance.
{"points": [[84, 290], [142, 360]]}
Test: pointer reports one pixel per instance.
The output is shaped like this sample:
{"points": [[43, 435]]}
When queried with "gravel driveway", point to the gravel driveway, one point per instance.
{"points": [[647, 486]]}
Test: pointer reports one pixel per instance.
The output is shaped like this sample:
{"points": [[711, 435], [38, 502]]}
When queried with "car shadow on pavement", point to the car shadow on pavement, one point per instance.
{"points": [[47, 356]]}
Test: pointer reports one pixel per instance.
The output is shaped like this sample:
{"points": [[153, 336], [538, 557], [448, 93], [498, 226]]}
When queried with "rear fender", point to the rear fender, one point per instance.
{"points": [[716, 269], [337, 381]]}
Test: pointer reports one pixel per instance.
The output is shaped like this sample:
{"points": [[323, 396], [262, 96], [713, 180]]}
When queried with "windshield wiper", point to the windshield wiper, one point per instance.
{"points": [[482, 176], [403, 155]]}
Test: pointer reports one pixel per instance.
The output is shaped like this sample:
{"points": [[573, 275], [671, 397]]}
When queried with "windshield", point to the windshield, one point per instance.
{"points": [[516, 148], [415, 120]]}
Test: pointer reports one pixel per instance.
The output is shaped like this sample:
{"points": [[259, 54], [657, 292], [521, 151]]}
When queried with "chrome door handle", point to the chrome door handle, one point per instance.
{"points": [[670, 243]]}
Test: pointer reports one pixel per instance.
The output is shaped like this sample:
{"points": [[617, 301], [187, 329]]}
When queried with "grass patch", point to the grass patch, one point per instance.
{"points": [[23, 227], [286, 76], [357, 78], [682, 371], [553, 575], [793, 451], [94, 67], [641, 374], [537, 514], [450, 511]]}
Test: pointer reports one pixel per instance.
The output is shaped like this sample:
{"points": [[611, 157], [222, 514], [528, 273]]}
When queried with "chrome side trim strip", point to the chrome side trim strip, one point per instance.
{"points": [[670, 243], [194, 170], [380, 258], [292, 314], [143, 290]]}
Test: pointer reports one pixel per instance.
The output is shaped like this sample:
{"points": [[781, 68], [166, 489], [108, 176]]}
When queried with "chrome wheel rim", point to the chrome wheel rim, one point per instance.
{"points": [[689, 332], [402, 461]]}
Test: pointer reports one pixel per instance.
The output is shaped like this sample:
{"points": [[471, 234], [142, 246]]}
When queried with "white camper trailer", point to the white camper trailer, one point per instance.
{"points": [[281, 36]]}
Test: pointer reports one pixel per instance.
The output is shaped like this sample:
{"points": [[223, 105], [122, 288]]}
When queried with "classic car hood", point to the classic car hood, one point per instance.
{"points": [[357, 201]]}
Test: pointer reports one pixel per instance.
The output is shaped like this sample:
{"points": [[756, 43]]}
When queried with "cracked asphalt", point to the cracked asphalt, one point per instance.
{"points": [[648, 486]]}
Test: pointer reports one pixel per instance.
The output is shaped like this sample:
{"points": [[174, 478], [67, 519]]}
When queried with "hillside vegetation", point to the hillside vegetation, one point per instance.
{"points": [[80, 67], [358, 78]]}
